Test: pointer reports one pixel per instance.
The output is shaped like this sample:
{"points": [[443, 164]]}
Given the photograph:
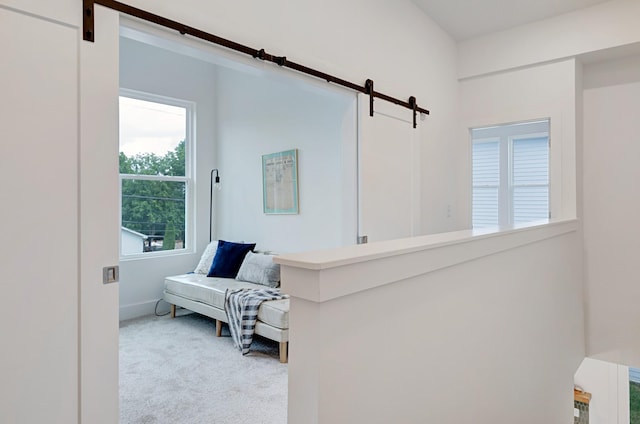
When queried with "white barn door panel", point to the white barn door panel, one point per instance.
{"points": [[39, 216], [99, 223], [59, 187], [389, 168]]}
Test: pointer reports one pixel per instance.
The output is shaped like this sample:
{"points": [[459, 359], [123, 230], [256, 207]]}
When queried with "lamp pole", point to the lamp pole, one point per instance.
{"points": [[211, 184]]}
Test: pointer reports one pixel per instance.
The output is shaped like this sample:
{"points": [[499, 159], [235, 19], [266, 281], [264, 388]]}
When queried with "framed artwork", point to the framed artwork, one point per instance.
{"points": [[280, 182]]}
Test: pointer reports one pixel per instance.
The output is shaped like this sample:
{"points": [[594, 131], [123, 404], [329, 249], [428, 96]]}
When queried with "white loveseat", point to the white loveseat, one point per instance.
{"points": [[206, 295]]}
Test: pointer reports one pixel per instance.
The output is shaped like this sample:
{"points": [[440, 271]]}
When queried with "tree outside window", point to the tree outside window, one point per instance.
{"points": [[154, 173]]}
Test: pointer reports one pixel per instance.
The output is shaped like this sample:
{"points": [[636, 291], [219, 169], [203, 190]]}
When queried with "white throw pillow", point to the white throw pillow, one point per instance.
{"points": [[207, 258], [259, 269]]}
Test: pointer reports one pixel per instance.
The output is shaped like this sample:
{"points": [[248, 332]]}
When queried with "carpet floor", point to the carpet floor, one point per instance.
{"points": [[177, 371]]}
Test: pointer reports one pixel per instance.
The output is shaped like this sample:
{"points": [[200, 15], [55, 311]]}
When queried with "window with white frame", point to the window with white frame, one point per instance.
{"points": [[155, 173], [510, 174]]}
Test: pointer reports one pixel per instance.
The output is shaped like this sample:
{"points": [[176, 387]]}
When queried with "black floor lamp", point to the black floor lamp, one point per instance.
{"points": [[217, 185]]}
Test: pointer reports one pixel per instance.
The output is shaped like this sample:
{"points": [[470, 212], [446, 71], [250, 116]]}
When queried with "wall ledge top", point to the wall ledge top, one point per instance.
{"points": [[348, 255]]}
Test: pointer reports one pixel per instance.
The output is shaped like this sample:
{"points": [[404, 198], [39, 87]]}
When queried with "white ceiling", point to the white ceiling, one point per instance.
{"points": [[464, 19]]}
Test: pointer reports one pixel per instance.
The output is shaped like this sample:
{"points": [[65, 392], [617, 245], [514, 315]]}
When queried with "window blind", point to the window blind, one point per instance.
{"points": [[486, 183], [530, 179], [510, 173]]}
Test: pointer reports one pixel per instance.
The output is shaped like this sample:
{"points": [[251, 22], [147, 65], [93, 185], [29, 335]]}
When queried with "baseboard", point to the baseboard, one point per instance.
{"points": [[141, 309]]}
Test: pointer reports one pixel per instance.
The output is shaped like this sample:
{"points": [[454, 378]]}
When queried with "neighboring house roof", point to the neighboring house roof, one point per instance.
{"points": [[135, 233]]}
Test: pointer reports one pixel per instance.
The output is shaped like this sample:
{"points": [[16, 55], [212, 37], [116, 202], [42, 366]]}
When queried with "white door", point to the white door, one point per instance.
{"points": [[39, 216], [99, 220], [59, 360], [389, 181]]}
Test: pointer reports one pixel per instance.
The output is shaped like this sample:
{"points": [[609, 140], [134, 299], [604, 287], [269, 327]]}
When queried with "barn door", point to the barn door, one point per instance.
{"points": [[389, 172]]}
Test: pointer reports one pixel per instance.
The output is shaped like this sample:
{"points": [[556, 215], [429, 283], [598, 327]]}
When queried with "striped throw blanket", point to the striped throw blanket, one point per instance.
{"points": [[241, 306]]}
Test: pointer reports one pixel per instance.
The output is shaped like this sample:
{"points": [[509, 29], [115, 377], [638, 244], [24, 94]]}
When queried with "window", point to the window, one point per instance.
{"points": [[510, 174], [634, 396], [155, 173]]}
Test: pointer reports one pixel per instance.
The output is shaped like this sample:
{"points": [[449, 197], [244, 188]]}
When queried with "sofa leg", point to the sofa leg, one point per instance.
{"points": [[173, 311], [218, 328], [284, 347]]}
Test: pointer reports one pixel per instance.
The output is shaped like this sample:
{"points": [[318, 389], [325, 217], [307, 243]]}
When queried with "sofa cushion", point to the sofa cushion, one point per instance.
{"points": [[275, 313], [228, 258], [259, 269], [211, 291], [206, 260]]}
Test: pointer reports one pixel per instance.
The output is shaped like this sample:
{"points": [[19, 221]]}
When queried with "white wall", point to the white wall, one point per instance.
{"points": [[608, 385], [412, 56], [158, 71], [544, 91], [247, 113], [438, 329], [611, 172], [603, 26], [333, 224], [604, 170], [393, 43], [261, 114]]}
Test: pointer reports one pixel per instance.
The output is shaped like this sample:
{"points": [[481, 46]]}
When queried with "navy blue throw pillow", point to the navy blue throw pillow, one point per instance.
{"points": [[228, 259]]}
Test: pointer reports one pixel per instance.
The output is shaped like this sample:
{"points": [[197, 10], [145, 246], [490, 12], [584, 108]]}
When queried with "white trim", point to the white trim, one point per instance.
{"points": [[157, 98], [156, 254], [188, 179], [506, 134], [155, 177], [429, 253], [623, 406], [561, 166], [140, 309], [333, 258]]}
